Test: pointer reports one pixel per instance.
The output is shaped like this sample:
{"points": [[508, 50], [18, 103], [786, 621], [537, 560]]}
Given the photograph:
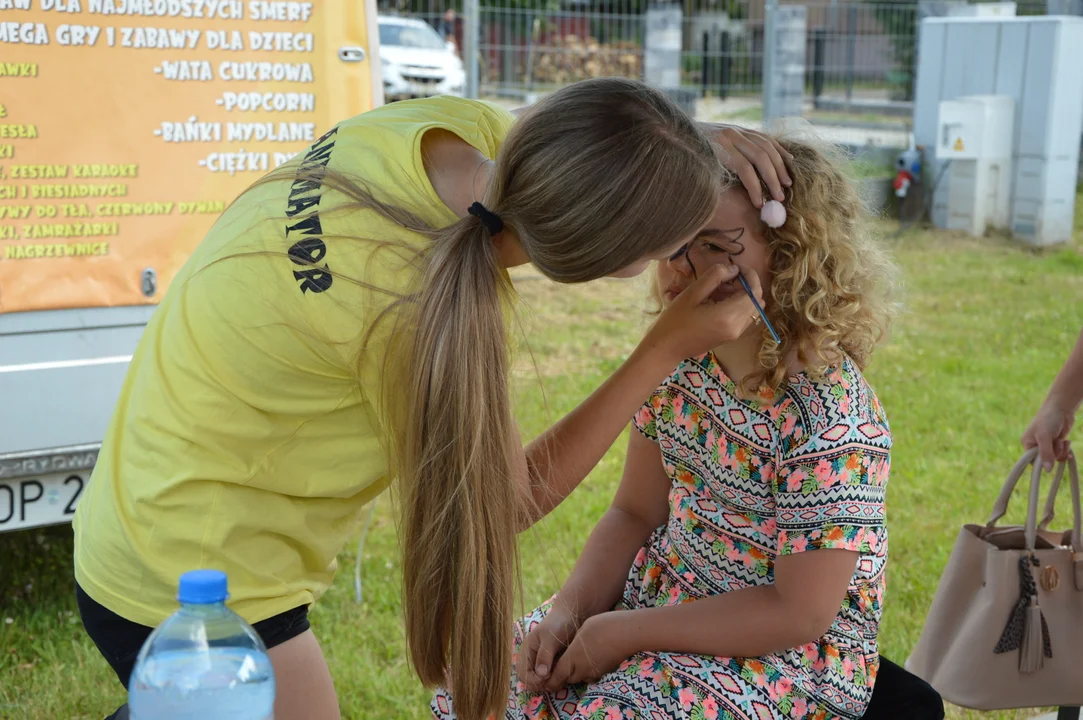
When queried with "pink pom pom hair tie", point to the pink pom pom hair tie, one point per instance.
{"points": [[773, 214]]}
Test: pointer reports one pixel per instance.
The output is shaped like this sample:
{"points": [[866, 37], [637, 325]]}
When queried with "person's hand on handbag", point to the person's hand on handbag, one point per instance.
{"points": [[1049, 429]]}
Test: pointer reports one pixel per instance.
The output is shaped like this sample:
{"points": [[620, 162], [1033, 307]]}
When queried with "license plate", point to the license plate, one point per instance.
{"points": [[45, 500], [423, 88]]}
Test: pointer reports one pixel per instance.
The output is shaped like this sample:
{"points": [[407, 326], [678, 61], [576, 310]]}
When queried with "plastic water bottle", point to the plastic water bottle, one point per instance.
{"points": [[204, 662]]}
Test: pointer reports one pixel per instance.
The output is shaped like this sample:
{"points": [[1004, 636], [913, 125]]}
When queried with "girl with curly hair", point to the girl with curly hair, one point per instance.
{"points": [[739, 572]]}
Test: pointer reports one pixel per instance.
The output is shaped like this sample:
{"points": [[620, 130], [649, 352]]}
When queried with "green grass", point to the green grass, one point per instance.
{"points": [[987, 326]]}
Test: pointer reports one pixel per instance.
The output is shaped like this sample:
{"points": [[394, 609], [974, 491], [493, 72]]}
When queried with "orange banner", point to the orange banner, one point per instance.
{"points": [[127, 126]]}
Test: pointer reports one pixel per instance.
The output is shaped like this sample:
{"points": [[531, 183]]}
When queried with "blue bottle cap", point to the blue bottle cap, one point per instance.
{"points": [[202, 587]]}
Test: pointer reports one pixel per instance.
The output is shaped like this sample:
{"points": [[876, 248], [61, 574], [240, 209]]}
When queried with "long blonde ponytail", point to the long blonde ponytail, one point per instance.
{"points": [[459, 494], [592, 179]]}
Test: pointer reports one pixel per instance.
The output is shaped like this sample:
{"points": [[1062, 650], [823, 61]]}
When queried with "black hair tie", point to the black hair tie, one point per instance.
{"points": [[488, 218]]}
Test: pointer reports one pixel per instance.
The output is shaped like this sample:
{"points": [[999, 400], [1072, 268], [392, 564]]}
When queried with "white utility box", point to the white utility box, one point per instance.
{"points": [[975, 135], [1036, 61]]}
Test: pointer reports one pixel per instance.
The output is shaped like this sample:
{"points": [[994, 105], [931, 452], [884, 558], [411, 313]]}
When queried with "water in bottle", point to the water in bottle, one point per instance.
{"points": [[204, 662]]}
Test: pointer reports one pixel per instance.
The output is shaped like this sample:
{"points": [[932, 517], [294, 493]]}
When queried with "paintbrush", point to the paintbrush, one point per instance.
{"points": [[766, 322]]}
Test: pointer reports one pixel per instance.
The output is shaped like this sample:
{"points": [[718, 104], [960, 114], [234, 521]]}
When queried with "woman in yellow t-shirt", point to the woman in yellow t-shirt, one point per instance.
{"points": [[345, 322]]}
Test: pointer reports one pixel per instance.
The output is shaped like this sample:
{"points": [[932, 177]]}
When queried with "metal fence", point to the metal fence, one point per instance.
{"points": [[859, 57]]}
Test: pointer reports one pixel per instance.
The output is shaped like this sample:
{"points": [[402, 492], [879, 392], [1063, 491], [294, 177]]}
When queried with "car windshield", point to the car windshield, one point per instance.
{"points": [[411, 36]]}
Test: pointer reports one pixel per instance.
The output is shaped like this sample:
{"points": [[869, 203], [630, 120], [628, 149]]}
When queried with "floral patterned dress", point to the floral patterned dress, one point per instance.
{"points": [[750, 481]]}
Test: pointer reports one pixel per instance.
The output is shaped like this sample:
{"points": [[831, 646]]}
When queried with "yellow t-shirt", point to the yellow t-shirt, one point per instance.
{"points": [[245, 439]]}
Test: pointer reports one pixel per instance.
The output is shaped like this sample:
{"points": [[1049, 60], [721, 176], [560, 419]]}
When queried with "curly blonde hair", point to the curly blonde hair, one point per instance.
{"points": [[833, 286]]}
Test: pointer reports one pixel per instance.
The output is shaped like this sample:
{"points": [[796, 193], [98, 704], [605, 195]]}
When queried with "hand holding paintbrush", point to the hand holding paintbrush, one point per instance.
{"points": [[683, 252]]}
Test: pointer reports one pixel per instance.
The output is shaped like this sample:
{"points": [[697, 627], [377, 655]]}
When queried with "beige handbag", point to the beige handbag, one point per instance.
{"points": [[1005, 629]]}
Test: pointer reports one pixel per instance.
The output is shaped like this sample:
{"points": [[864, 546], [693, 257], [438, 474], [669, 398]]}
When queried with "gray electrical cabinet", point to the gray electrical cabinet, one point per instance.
{"points": [[1038, 62]]}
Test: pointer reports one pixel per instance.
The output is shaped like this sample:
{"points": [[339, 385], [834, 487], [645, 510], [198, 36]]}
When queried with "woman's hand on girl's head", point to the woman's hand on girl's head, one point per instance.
{"points": [[755, 158], [694, 323]]}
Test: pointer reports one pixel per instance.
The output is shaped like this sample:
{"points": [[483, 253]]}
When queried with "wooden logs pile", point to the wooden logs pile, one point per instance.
{"points": [[566, 59]]}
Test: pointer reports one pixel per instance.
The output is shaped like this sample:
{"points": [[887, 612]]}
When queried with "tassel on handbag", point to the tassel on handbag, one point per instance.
{"points": [[1035, 637], [1027, 630]]}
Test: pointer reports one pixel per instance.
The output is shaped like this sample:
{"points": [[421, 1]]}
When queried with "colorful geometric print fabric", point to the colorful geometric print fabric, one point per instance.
{"points": [[750, 481]]}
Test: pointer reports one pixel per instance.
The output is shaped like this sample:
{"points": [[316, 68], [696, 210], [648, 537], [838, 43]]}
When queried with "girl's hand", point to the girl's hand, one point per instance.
{"points": [[545, 642], [600, 646], [755, 158], [694, 323], [1048, 432]]}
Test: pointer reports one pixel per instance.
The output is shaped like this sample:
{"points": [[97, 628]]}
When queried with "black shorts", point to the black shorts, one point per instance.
{"points": [[119, 640], [901, 695]]}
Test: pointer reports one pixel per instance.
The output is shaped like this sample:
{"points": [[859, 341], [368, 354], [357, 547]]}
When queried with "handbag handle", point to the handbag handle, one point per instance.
{"points": [[1000, 507], [1051, 499], [1077, 512]]}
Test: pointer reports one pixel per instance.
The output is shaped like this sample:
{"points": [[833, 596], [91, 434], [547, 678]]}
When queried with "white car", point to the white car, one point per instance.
{"points": [[416, 61]]}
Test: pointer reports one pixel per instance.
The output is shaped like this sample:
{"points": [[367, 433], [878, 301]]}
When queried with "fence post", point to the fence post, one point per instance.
{"points": [[818, 42], [724, 69], [770, 60], [851, 54], [785, 80], [471, 50], [507, 37], [662, 46], [705, 65], [531, 38]]}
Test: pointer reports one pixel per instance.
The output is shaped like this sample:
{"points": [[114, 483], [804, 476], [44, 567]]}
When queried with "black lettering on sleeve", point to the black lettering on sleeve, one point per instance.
{"points": [[305, 197]]}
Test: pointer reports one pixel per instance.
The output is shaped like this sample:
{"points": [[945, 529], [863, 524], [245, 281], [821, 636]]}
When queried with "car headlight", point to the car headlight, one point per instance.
{"points": [[389, 69]]}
